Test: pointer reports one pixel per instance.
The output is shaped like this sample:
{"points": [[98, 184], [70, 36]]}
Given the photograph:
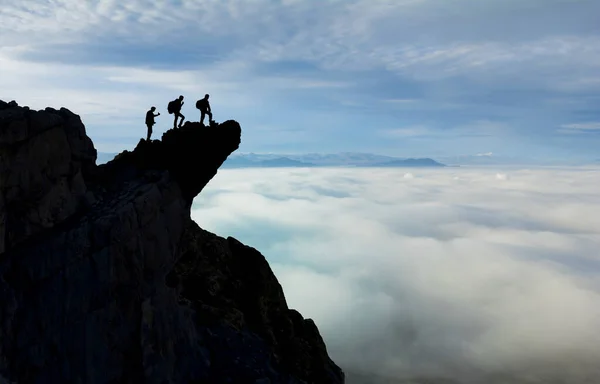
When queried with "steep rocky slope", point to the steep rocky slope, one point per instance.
{"points": [[104, 277]]}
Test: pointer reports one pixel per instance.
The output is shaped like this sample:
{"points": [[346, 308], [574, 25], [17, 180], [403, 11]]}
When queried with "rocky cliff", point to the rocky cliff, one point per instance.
{"points": [[104, 277]]}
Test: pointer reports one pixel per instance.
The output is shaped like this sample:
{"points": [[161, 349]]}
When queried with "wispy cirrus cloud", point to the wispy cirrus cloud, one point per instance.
{"points": [[579, 128], [583, 126], [269, 30]]}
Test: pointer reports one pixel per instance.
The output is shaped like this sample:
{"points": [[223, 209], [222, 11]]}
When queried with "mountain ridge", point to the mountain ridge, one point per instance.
{"points": [[327, 160]]}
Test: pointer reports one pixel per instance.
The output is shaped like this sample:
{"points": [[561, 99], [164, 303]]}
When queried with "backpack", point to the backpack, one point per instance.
{"points": [[171, 106], [201, 104]]}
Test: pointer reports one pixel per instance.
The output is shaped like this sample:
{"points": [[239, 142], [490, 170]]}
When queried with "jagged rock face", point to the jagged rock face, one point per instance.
{"points": [[44, 155], [246, 296], [104, 278]]}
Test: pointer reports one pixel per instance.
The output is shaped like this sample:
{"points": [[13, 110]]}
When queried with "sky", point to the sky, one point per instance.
{"points": [[475, 275], [395, 77]]}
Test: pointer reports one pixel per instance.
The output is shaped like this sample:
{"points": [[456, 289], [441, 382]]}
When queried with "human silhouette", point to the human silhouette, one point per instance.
{"points": [[150, 121], [204, 107], [174, 107]]}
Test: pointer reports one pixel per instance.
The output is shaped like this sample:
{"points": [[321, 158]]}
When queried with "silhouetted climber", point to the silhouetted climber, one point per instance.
{"points": [[204, 108], [150, 121], [175, 108]]}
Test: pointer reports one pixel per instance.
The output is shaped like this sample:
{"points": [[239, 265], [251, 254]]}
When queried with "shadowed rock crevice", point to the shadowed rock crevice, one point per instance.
{"points": [[104, 277]]}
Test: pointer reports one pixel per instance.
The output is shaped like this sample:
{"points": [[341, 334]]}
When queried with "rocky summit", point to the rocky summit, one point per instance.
{"points": [[105, 278]]}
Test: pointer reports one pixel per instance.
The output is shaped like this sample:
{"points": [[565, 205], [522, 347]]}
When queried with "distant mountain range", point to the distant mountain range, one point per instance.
{"points": [[252, 160], [243, 162]]}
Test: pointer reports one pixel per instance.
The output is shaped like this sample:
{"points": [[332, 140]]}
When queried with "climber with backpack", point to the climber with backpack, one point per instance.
{"points": [[204, 108], [174, 107]]}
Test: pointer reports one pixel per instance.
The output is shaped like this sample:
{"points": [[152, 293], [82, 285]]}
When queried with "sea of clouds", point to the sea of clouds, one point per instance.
{"points": [[473, 275]]}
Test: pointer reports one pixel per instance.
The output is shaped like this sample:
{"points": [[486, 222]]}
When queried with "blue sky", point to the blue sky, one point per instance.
{"points": [[402, 77]]}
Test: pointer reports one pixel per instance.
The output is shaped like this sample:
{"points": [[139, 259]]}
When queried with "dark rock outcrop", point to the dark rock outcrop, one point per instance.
{"points": [[104, 277]]}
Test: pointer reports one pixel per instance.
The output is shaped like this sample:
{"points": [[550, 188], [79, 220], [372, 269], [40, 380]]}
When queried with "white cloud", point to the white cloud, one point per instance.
{"points": [[578, 128], [434, 277], [583, 126], [109, 16], [343, 35]]}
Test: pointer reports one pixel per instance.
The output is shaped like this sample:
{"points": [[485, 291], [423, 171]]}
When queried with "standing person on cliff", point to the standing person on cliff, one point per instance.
{"points": [[174, 107], [204, 107], [150, 121]]}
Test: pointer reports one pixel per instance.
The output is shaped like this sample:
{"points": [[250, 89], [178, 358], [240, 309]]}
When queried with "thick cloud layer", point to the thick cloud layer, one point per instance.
{"points": [[475, 275]]}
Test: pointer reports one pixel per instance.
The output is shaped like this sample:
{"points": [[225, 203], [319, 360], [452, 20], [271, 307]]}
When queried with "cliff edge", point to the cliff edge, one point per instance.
{"points": [[104, 277]]}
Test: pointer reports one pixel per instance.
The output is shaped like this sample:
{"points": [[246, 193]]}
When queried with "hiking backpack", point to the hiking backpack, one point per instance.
{"points": [[171, 107], [201, 104]]}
